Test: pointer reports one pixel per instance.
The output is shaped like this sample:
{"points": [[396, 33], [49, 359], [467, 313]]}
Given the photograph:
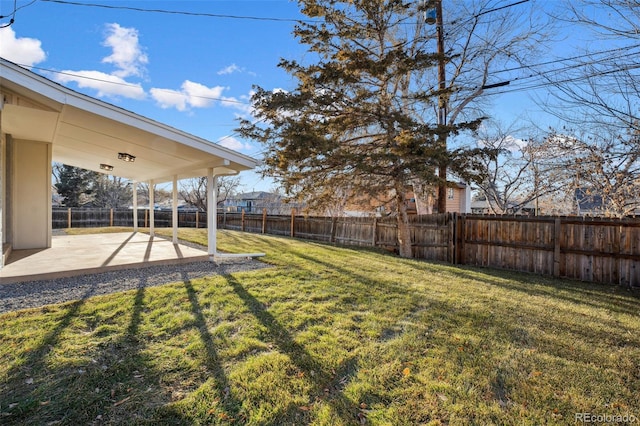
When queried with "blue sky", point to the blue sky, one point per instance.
{"points": [[192, 72]]}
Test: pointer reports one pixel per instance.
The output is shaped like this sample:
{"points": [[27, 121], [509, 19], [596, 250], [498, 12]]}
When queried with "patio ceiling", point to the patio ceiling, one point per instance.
{"points": [[86, 132]]}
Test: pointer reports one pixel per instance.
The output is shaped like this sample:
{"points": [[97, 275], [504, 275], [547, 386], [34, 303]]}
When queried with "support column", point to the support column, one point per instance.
{"points": [[2, 193], [174, 213], [152, 190], [135, 206], [211, 214]]}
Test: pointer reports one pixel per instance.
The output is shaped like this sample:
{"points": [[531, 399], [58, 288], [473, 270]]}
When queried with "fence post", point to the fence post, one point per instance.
{"points": [[617, 244], [557, 224], [334, 225], [264, 220], [461, 229], [197, 218], [111, 218], [375, 232], [451, 224], [69, 218], [293, 222], [242, 221]]}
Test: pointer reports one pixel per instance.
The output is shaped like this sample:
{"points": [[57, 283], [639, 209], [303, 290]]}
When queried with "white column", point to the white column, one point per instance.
{"points": [[174, 213], [2, 193], [135, 206], [152, 190], [211, 213]]}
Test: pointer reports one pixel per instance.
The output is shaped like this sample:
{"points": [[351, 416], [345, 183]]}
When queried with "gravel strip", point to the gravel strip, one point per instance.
{"points": [[35, 294]]}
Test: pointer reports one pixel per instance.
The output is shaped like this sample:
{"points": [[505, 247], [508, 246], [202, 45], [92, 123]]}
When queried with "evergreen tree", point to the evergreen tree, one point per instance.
{"points": [[74, 184], [355, 118]]}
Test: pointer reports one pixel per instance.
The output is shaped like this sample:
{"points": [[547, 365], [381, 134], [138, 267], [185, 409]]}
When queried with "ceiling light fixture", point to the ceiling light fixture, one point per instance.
{"points": [[107, 167], [126, 157]]}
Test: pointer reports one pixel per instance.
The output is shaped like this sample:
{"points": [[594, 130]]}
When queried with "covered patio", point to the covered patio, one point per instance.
{"points": [[42, 121], [73, 255]]}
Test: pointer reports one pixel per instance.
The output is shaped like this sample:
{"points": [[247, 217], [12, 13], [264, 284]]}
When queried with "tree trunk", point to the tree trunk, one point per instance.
{"points": [[404, 236]]}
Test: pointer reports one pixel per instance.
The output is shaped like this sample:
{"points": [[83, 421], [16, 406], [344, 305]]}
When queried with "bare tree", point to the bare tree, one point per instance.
{"points": [[194, 191], [598, 97], [600, 87], [605, 169], [522, 172], [481, 40], [111, 191], [160, 195]]}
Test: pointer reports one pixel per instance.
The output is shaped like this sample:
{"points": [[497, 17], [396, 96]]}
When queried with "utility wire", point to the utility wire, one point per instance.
{"points": [[176, 12], [12, 15], [624, 49], [71, 74], [544, 74]]}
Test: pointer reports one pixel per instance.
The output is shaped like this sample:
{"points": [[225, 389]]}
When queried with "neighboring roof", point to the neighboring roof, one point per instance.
{"points": [[86, 132], [587, 201], [255, 195]]}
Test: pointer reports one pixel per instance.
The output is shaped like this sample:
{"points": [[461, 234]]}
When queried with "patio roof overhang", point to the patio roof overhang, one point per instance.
{"points": [[86, 132]]}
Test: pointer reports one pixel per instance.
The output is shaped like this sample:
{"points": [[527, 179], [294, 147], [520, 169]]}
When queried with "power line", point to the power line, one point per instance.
{"points": [[547, 83], [222, 100], [495, 9], [177, 12], [624, 49], [545, 74], [12, 15]]}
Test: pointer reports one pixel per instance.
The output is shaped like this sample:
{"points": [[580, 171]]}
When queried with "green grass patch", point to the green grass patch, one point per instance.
{"points": [[103, 230], [327, 336]]}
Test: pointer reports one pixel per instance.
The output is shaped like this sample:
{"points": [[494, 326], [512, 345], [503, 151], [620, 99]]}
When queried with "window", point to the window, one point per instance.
{"points": [[450, 193]]}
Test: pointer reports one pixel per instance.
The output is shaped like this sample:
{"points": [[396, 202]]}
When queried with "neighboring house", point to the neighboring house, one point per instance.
{"points": [[257, 201], [458, 201], [459, 198], [42, 121], [590, 204]]}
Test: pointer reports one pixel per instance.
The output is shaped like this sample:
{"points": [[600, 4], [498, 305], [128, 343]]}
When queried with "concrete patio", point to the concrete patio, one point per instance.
{"points": [[71, 255]]}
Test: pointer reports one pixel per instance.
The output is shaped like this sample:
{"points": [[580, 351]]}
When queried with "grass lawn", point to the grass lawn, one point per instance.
{"points": [[327, 336]]}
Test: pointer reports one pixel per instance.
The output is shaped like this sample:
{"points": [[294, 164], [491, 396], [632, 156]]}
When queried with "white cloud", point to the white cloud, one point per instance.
{"points": [[194, 95], [128, 58], [508, 143], [22, 50], [106, 84], [230, 69], [514, 144], [234, 144], [127, 54], [167, 98], [201, 96]]}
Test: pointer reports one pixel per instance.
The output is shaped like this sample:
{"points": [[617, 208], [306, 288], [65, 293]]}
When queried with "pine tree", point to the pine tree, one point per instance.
{"points": [[357, 116], [74, 184]]}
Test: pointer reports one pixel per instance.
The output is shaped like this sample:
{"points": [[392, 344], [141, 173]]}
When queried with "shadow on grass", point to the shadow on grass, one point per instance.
{"points": [[24, 380], [212, 362], [327, 384], [107, 381], [599, 296]]}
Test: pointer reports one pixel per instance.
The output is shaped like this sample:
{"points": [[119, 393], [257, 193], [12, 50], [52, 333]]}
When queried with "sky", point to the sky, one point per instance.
{"points": [[194, 71]]}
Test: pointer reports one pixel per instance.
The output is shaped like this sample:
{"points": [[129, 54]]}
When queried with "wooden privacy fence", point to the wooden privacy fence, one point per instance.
{"points": [[89, 218], [588, 249]]}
